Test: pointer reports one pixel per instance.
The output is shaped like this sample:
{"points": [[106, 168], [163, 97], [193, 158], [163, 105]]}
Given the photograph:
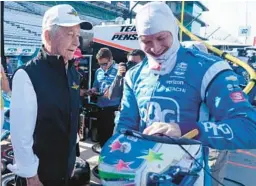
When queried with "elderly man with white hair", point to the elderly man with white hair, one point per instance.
{"points": [[45, 104], [171, 91]]}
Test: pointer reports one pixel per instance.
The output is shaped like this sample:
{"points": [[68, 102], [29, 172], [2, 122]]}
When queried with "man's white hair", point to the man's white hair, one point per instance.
{"points": [[52, 31]]}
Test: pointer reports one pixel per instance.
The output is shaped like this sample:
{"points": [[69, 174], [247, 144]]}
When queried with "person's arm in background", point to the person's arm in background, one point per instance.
{"points": [[4, 81], [116, 88], [235, 118], [95, 86], [129, 117], [23, 117]]}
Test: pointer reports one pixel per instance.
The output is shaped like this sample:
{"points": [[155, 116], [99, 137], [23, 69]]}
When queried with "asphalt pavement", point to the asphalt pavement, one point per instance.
{"points": [[241, 168]]}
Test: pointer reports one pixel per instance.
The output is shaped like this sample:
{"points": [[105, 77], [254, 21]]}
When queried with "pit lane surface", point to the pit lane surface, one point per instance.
{"points": [[241, 167]]}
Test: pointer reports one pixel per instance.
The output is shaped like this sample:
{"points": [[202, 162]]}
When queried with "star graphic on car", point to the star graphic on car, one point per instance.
{"points": [[116, 145], [122, 165], [101, 158], [152, 156]]}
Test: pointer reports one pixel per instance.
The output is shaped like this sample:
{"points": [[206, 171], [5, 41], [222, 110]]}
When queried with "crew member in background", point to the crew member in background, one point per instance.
{"points": [[4, 88], [82, 75], [133, 58], [9, 66], [104, 77], [77, 56]]}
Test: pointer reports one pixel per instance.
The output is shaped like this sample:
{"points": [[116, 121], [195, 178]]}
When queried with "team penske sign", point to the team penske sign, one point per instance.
{"points": [[119, 36], [126, 33]]}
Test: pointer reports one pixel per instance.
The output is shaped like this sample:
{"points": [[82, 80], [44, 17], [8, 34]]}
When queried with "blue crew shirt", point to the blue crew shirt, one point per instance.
{"points": [[102, 81]]}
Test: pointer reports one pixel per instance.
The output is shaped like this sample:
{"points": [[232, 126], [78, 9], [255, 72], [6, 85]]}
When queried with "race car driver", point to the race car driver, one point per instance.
{"points": [[175, 90]]}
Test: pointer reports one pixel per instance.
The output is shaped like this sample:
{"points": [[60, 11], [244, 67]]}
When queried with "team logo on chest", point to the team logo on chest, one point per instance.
{"points": [[180, 69], [159, 109], [172, 85]]}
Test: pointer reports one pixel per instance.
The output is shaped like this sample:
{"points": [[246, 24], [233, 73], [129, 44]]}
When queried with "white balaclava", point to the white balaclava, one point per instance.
{"points": [[152, 18]]}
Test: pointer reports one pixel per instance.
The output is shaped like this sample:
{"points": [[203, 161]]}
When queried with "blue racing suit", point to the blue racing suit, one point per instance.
{"points": [[199, 86]]}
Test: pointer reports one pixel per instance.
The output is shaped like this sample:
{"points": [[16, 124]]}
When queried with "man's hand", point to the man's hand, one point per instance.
{"points": [[34, 181], [91, 91], [168, 129], [121, 69], [82, 92]]}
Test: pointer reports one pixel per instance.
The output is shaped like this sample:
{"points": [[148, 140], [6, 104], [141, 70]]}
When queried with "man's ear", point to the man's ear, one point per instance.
{"points": [[47, 36]]}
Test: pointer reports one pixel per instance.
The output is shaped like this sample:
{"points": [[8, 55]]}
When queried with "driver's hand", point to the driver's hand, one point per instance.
{"points": [[168, 129]]}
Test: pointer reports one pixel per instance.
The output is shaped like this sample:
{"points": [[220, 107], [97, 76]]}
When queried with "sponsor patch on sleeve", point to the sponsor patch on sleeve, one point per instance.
{"points": [[231, 78], [237, 97]]}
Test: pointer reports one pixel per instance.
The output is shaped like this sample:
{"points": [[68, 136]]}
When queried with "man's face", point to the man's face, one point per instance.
{"points": [[135, 59], [156, 44], [66, 41], [104, 63]]}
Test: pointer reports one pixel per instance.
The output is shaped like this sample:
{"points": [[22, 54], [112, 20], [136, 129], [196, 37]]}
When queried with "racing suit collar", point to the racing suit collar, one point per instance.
{"points": [[164, 64]]}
